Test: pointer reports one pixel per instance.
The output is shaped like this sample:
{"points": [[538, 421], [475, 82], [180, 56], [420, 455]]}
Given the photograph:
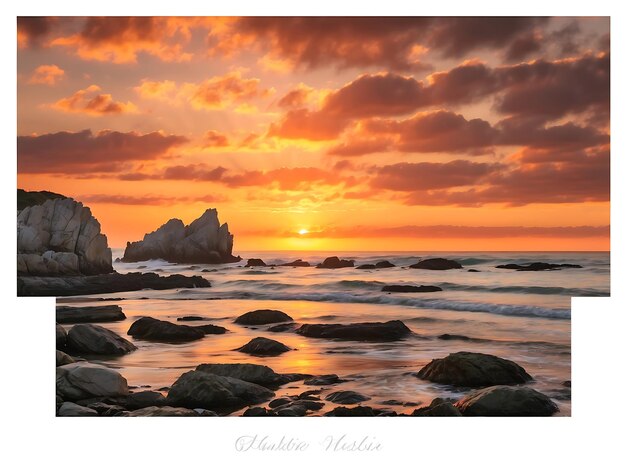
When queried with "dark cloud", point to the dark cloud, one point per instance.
{"points": [[147, 200], [33, 30], [84, 151], [523, 46]]}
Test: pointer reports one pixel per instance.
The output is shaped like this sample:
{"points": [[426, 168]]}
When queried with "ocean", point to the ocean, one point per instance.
{"points": [[521, 316]]}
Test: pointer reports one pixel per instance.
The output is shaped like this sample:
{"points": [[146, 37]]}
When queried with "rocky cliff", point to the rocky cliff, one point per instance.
{"points": [[202, 241], [60, 237]]}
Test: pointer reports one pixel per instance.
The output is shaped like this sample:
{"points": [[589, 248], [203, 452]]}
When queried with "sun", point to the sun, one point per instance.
{"points": [[303, 231]]}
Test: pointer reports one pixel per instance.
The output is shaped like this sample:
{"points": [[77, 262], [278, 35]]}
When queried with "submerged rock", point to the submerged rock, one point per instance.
{"points": [[255, 262], [202, 241], [502, 400], [98, 314], [83, 380], [148, 328], [197, 389], [405, 288], [346, 397], [94, 339], [376, 331], [298, 264], [437, 264], [468, 369], [335, 263], [538, 266], [263, 317], [263, 347]]}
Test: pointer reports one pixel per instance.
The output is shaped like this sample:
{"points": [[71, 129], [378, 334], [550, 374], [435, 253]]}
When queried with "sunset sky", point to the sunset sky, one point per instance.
{"points": [[325, 133]]}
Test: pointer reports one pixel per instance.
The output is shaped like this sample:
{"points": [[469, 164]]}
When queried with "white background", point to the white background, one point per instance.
{"points": [[33, 438]]}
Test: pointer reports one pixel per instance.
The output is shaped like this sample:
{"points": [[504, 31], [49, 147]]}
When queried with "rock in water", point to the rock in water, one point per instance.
{"points": [[438, 407], [60, 237], [260, 375], [436, 264], [263, 347], [162, 411], [506, 401], [375, 331], [335, 263], [255, 262], [538, 266], [83, 380], [97, 314], [148, 328], [346, 397], [94, 339], [263, 317], [298, 264], [404, 288], [202, 241], [196, 389], [468, 369]]}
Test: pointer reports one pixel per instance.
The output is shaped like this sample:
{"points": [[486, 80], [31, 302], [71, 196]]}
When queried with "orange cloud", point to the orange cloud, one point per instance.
{"points": [[47, 75], [147, 200], [154, 90], [214, 139], [89, 101]]}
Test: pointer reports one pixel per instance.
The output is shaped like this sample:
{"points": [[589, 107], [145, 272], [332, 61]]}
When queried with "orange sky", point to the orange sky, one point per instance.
{"points": [[368, 134]]}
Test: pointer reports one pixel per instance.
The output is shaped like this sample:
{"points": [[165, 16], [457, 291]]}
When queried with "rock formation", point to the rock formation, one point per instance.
{"points": [[202, 241], [60, 237]]}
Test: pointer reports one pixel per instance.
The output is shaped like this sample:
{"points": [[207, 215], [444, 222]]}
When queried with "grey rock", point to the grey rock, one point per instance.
{"points": [[161, 411], [258, 374], [346, 397], [95, 339], [61, 336], [327, 379], [83, 380], [438, 407], [63, 358], [97, 314], [263, 317], [335, 263], [263, 347], [502, 400], [72, 409], [148, 328], [375, 331]]}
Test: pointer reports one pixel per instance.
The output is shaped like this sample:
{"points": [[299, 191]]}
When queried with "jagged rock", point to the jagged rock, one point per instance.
{"points": [[34, 198], [437, 407], [503, 400], [72, 409], [263, 347], [98, 314], [197, 389], [404, 288], [60, 237], [263, 317], [538, 266], [148, 328], [437, 264], [61, 336], [94, 339], [104, 284], [346, 397], [335, 263], [468, 369], [255, 262], [83, 380], [202, 241], [298, 263], [374, 331]]}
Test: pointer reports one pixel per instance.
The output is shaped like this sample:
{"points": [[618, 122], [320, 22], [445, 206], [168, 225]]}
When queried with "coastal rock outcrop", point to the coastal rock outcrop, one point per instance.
{"points": [[380, 265], [255, 262], [502, 400], [436, 264], [94, 339], [469, 369], [375, 331], [263, 317], [202, 241], [538, 266], [298, 264], [335, 263], [60, 237]]}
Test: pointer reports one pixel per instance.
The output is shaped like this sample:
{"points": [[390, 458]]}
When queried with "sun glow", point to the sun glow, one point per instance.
{"points": [[303, 231]]}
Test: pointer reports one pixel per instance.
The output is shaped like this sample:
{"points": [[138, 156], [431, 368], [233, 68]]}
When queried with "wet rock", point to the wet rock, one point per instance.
{"points": [[538, 266], [376, 331], [98, 314], [61, 336], [294, 409], [366, 266], [438, 407], [335, 263], [311, 405], [473, 271], [263, 347], [437, 264], [255, 262], [346, 397], [72, 409], [212, 329], [148, 328], [258, 411], [384, 265], [282, 327], [399, 403], [468, 369], [83, 380], [453, 337], [63, 358], [105, 409], [94, 339], [192, 318], [343, 411], [197, 389], [161, 411], [263, 317], [258, 374], [279, 402], [298, 264], [327, 379], [405, 288], [144, 399], [502, 400]]}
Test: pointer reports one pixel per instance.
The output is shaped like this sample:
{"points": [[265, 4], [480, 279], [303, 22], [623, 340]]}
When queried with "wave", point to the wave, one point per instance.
{"points": [[542, 290]]}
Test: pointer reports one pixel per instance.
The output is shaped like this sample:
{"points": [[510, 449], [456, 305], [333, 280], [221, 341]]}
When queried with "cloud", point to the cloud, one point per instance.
{"points": [[84, 151], [147, 200], [157, 90], [309, 125], [213, 138], [523, 46], [47, 75], [195, 172], [89, 101], [296, 98], [33, 30]]}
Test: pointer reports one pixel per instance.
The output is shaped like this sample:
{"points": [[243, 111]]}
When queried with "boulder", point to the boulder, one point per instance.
{"points": [[255, 262], [263, 347], [257, 411], [366, 266], [405, 288], [192, 318], [161, 411], [469, 369], [376, 331], [61, 336], [263, 317], [212, 329], [104, 284], [438, 407], [83, 380], [144, 399], [298, 264], [335, 263], [501, 400], [260, 375], [151, 329], [72, 409], [327, 379], [94, 339], [98, 314], [202, 241], [538, 266], [60, 237], [384, 265], [197, 389], [346, 397], [282, 327], [62, 358], [364, 411], [279, 402], [437, 264]]}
